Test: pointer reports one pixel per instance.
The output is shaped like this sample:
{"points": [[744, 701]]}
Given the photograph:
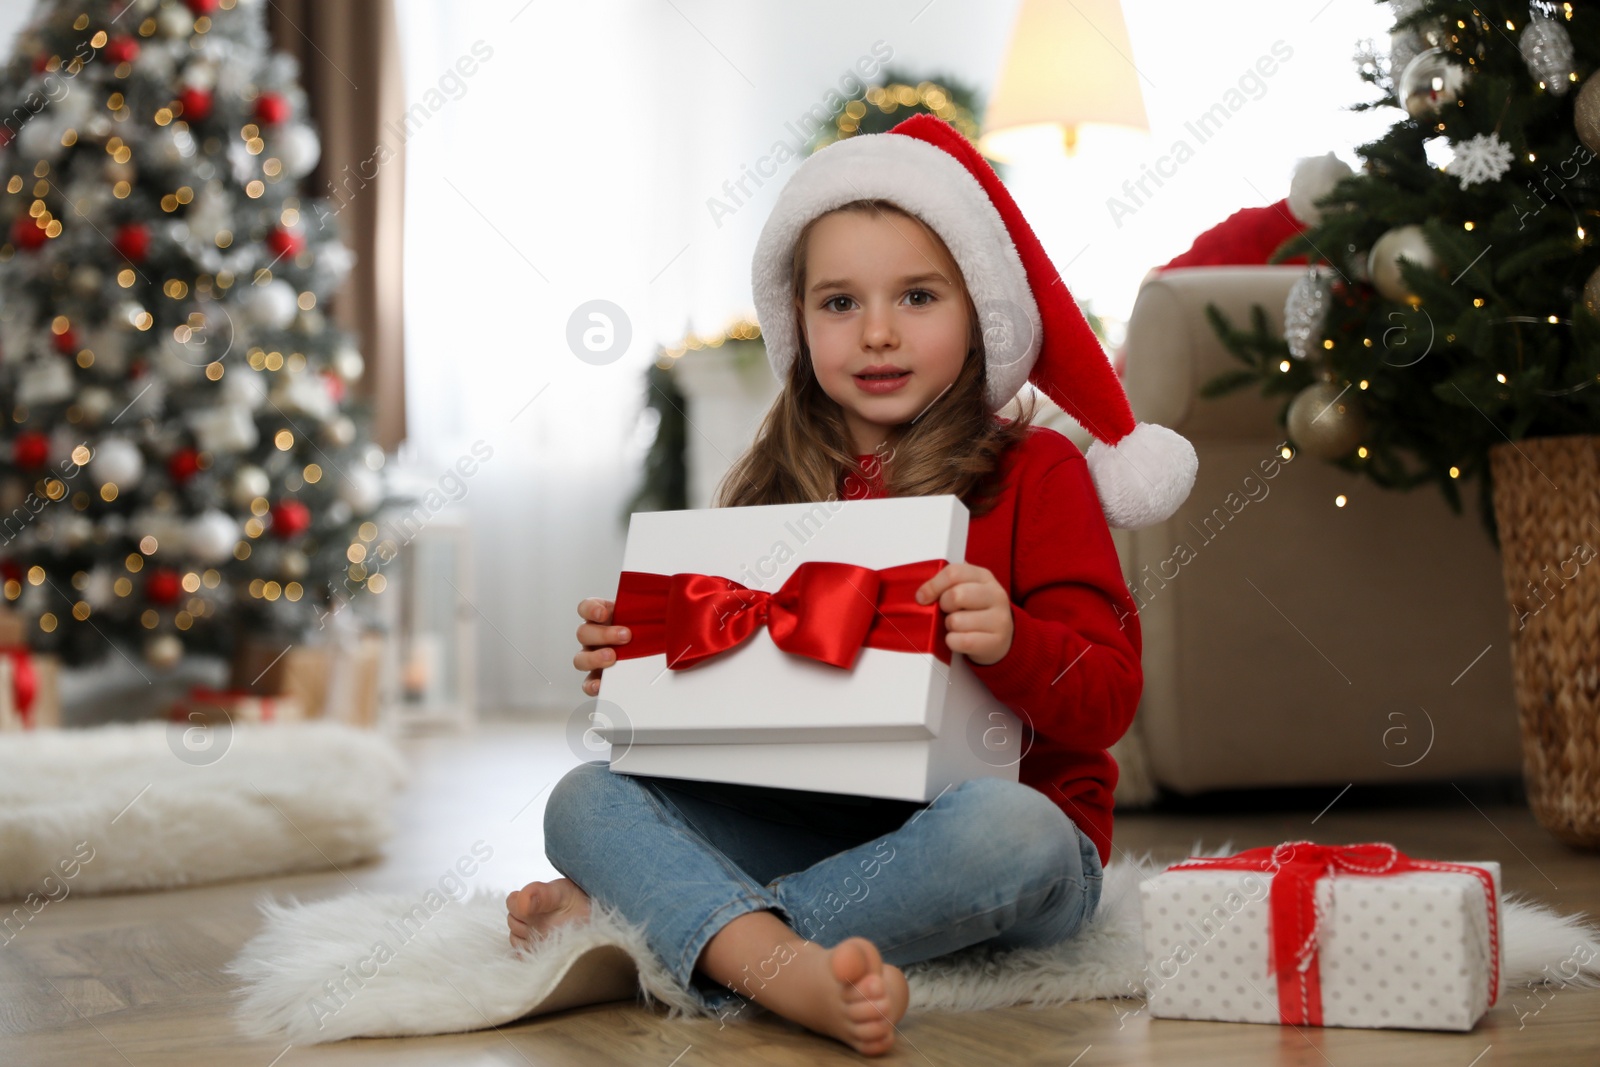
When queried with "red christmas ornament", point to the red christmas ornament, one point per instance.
{"points": [[196, 104], [184, 464], [122, 49], [133, 241], [272, 109], [163, 587], [202, 7], [30, 449], [25, 233], [335, 386], [66, 341], [40, 62], [290, 517], [285, 244]]}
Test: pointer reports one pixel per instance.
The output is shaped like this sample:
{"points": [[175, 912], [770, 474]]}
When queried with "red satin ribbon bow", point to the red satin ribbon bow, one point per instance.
{"points": [[826, 611], [24, 682], [1292, 916]]}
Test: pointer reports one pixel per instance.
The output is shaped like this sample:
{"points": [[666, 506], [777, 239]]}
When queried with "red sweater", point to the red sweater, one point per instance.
{"points": [[1072, 674]]}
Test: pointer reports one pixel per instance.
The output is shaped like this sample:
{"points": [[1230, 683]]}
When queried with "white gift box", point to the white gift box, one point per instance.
{"points": [[204, 704], [894, 724], [1405, 951]]}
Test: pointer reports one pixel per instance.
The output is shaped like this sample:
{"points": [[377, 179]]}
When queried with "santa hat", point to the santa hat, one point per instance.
{"points": [[1253, 235], [1033, 329]]}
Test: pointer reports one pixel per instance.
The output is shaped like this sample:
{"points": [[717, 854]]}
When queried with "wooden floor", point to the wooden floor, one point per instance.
{"points": [[136, 980]]}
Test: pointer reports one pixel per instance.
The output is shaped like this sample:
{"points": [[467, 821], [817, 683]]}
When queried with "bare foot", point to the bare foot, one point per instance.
{"points": [[846, 992], [539, 907]]}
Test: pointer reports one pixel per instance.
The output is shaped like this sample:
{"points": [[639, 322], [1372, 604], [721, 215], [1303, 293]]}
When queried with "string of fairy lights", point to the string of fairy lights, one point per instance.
{"points": [[892, 97], [740, 329]]}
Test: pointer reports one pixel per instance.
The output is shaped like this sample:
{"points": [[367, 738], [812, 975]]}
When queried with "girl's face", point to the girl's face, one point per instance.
{"points": [[882, 296]]}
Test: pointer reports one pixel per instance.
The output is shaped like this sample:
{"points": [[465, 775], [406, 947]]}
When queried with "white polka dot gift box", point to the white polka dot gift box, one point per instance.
{"points": [[1324, 935]]}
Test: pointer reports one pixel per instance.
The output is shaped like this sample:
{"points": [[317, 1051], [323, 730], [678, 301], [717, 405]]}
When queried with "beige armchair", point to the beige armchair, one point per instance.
{"points": [[1287, 640]]}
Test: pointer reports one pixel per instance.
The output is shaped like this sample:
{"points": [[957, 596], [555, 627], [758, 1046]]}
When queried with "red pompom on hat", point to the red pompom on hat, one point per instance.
{"points": [[1033, 328]]}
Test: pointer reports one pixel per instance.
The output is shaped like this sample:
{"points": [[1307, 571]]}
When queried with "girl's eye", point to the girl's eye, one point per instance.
{"points": [[829, 303], [920, 292]]}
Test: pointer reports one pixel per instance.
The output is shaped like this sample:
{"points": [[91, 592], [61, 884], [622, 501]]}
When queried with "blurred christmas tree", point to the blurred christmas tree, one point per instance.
{"points": [[180, 463], [1452, 301]]}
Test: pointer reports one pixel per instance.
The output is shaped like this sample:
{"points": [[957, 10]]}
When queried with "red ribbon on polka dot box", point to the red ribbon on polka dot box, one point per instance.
{"points": [[1323, 935]]}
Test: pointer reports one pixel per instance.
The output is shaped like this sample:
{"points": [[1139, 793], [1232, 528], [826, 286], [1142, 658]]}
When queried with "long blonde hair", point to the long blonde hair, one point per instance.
{"points": [[804, 447]]}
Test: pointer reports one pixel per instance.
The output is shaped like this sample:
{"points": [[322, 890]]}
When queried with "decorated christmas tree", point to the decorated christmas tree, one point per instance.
{"points": [[1452, 299], [181, 461]]}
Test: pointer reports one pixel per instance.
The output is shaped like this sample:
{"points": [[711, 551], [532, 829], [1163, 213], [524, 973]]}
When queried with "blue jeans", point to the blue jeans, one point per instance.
{"points": [[987, 862]]}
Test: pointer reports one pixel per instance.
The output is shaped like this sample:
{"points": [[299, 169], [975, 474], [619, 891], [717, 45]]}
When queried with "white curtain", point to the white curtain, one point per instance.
{"points": [[575, 163]]}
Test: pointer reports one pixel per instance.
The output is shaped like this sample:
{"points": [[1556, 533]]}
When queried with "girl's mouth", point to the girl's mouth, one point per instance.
{"points": [[882, 383]]}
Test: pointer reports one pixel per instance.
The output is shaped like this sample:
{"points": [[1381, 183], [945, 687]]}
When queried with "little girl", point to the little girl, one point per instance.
{"points": [[904, 301]]}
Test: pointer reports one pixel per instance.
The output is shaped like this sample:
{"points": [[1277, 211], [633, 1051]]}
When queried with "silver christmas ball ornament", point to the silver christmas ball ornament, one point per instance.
{"points": [[1430, 83], [1586, 113], [340, 431], [249, 482], [86, 280], [272, 305], [349, 364], [1402, 242], [1591, 293], [175, 21], [211, 536], [95, 402], [75, 530], [298, 148], [293, 564], [1326, 420], [163, 651], [361, 489], [117, 461]]}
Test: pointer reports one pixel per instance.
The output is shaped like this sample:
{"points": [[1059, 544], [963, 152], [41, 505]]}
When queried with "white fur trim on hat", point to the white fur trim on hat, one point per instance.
{"points": [[1142, 478], [932, 185], [1314, 178]]}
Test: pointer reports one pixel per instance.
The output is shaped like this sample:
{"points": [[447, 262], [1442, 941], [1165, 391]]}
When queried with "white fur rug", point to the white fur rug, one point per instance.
{"points": [[150, 805], [346, 967]]}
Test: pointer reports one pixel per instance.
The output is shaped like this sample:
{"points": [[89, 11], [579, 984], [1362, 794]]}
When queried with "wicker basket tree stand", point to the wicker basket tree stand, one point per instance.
{"points": [[1547, 507]]}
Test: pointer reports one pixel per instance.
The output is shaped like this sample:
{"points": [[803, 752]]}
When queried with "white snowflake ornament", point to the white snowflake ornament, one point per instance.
{"points": [[1484, 158]]}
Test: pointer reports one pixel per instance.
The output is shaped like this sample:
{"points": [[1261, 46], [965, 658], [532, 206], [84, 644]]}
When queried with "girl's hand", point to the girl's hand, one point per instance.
{"points": [[978, 611], [596, 638]]}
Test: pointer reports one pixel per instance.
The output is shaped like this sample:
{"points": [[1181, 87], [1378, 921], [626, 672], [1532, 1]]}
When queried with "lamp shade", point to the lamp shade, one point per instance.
{"points": [[1068, 64]]}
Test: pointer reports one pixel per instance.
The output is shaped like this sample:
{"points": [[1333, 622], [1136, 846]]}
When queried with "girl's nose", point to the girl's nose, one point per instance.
{"points": [[877, 327]]}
